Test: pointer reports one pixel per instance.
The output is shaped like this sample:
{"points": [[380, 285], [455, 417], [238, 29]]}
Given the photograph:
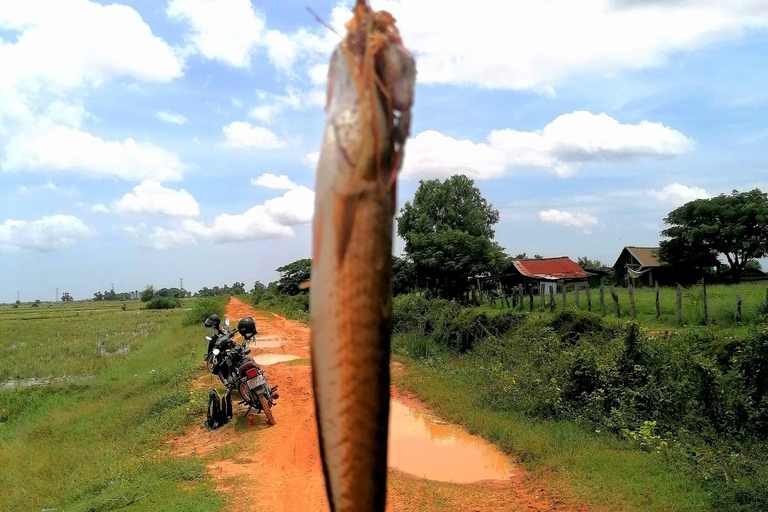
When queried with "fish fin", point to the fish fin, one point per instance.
{"points": [[344, 209]]}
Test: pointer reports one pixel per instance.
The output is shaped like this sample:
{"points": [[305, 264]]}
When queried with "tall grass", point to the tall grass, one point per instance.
{"points": [[95, 443]]}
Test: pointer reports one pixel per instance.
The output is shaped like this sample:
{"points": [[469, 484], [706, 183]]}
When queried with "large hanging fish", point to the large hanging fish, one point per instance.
{"points": [[371, 81]]}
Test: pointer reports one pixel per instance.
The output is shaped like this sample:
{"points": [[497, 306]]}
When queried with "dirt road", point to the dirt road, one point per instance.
{"points": [[279, 467]]}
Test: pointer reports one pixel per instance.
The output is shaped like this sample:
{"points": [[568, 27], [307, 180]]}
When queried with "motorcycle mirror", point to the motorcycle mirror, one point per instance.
{"points": [[226, 322], [208, 338]]}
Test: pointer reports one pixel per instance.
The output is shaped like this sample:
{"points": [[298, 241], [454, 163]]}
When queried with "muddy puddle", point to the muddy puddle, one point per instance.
{"points": [[268, 342], [425, 446], [268, 359]]}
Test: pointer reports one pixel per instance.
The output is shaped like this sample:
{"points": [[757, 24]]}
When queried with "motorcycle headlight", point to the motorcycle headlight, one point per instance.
{"points": [[216, 351]]}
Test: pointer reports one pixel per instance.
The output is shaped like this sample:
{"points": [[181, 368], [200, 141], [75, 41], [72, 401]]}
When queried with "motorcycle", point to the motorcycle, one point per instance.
{"points": [[230, 362]]}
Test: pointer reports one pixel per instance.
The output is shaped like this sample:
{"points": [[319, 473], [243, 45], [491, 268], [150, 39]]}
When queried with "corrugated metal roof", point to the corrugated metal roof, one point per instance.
{"points": [[646, 256], [551, 268]]}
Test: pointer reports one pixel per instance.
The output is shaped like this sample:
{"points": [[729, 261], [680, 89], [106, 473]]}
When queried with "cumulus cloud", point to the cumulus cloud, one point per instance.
{"points": [[311, 159], [269, 180], [677, 194], [49, 186], [272, 104], [563, 218], [168, 117], [244, 135], [561, 147], [44, 235], [545, 43], [273, 219], [99, 208], [223, 30], [64, 149], [150, 197], [65, 45]]}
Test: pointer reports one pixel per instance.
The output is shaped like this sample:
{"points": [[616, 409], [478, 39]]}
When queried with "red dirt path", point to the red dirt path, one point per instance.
{"points": [[280, 468]]}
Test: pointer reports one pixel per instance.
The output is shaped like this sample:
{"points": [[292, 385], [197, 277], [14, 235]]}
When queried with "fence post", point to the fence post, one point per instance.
{"points": [[738, 308], [679, 305], [631, 290], [479, 292], [530, 296], [576, 295], [503, 294], [658, 304], [565, 298], [541, 295], [615, 301], [589, 298], [520, 296], [704, 294], [552, 299], [602, 299]]}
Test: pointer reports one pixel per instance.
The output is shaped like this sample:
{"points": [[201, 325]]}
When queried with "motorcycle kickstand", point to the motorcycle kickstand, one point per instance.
{"points": [[249, 410]]}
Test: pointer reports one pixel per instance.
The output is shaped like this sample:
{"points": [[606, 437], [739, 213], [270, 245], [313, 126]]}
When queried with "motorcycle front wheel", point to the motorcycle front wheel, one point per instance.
{"points": [[267, 411]]}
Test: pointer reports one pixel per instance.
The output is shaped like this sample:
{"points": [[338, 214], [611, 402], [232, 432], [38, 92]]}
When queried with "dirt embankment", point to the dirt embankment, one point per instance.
{"points": [[278, 468]]}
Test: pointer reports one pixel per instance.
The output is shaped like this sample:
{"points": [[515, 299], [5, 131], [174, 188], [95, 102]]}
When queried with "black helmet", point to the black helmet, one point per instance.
{"points": [[213, 321], [246, 327]]}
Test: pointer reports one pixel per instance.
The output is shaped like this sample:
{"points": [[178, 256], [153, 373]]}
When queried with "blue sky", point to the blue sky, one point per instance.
{"points": [[145, 141]]}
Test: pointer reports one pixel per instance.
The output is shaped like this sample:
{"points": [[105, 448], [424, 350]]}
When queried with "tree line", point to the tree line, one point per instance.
{"points": [[448, 228]]}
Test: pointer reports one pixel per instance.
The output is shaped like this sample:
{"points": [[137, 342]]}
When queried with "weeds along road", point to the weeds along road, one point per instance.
{"points": [[278, 468]]}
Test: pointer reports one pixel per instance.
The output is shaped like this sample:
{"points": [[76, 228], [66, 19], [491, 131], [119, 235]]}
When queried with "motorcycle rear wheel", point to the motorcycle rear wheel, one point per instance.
{"points": [[267, 411]]}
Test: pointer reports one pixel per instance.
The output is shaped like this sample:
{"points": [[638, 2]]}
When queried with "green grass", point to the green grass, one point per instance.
{"points": [[721, 300], [92, 439]]}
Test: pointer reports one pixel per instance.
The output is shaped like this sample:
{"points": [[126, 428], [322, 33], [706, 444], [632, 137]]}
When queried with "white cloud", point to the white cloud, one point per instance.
{"points": [[99, 208], [561, 147], [49, 186], [563, 218], [150, 197], [273, 219], [44, 235], [311, 159], [296, 206], [677, 194], [65, 45], [293, 99], [538, 45], [64, 149], [168, 117], [224, 30], [269, 180], [431, 154], [243, 135]]}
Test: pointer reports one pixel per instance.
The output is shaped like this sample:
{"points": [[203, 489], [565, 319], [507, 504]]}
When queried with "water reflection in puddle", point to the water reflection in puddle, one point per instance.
{"points": [[268, 342], [424, 446], [268, 359]]}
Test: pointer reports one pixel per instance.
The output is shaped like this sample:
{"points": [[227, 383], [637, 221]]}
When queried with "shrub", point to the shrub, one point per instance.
{"points": [[163, 303], [203, 308]]}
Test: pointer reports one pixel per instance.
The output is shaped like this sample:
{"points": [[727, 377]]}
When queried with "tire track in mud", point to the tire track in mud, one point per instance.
{"points": [[258, 467]]}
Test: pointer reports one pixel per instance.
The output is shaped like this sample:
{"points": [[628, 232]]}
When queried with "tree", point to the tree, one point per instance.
{"points": [[587, 263], [258, 287], [734, 226], [448, 232], [148, 293], [237, 289], [403, 276], [66, 297], [754, 265], [98, 296], [292, 275]]}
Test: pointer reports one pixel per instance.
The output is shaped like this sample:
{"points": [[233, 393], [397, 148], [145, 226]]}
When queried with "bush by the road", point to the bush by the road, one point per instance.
{"points": [[161, 302], [205, 307]]}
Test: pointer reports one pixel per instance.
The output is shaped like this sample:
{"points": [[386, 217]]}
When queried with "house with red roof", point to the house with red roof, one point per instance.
{"points": [[548, 273]]}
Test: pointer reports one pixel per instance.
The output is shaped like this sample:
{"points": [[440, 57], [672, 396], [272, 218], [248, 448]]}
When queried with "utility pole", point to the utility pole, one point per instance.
{"points": [[17, 296], [113, 286], [57, 294], [181, 283]]}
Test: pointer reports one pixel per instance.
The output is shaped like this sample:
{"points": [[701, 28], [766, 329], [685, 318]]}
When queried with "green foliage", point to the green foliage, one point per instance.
{"points": [[734, 225], [66, 297], [290, 306], [696, 399], [292, 275], [204, 307], [147, 294], [163, 302], [403, 276], [448, 232]]}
